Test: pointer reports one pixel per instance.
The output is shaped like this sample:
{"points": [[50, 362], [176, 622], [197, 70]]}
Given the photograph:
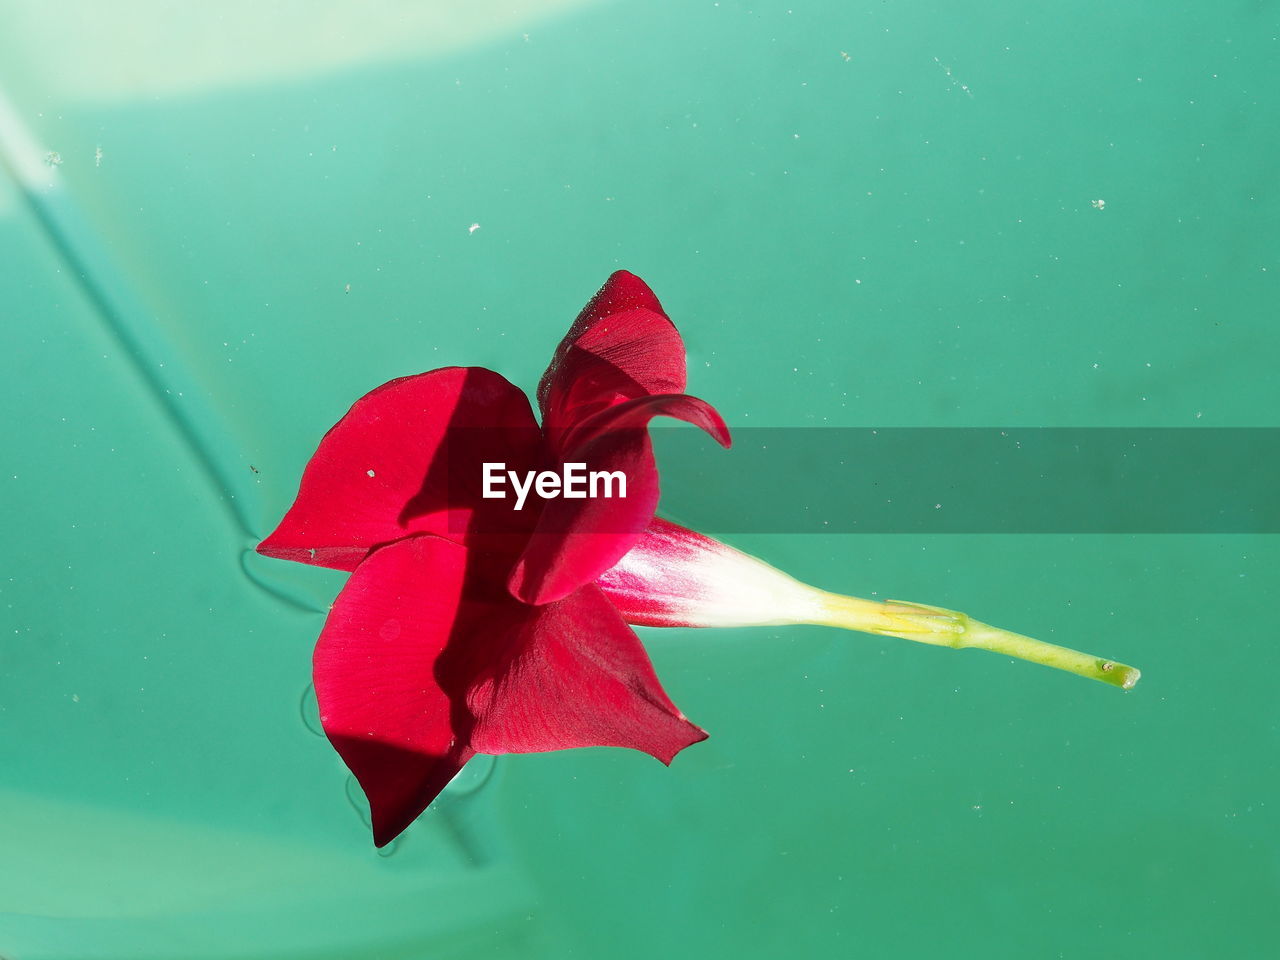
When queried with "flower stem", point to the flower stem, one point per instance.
{"points": [[947, 628]]}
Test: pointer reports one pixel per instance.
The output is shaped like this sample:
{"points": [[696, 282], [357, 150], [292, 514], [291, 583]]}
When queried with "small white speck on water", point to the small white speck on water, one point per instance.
{"points": [[954, 82], [473, 228], [1099, 204]]}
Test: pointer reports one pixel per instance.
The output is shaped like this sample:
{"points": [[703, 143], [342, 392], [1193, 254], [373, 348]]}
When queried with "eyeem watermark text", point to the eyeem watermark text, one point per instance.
{"points": [[574, 483]]}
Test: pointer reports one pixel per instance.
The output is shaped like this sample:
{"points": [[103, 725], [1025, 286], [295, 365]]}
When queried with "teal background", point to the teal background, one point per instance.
{"points": [[859, 214]]}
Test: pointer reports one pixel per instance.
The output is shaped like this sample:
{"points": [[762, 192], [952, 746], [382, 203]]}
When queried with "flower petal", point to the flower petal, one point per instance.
{"points": [[579, 677], [634, 415], [621, 346], [578, 540], [376, 668], [425, 660], [674, 577], [406, 459]]}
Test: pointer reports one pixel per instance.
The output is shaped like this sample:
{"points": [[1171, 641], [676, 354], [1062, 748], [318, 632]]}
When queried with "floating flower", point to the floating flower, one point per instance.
{"points": [[469, 625], [490, 624]]}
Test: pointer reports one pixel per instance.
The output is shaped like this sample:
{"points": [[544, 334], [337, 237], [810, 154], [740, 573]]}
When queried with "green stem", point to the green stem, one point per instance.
{"points": [[947, 628]]}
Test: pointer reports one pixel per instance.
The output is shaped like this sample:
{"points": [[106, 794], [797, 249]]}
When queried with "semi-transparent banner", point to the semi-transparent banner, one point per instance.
{"points": [[865, 480]]}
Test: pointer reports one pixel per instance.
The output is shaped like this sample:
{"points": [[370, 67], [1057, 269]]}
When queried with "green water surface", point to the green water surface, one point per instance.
{"points": [[219, 226]]}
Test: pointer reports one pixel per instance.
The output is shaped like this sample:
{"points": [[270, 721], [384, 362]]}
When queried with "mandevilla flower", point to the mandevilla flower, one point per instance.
{"points": [[470, 625]]}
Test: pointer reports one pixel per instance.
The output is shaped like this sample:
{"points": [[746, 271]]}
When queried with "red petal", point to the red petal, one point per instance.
{"points": [[579, 677], [621, 346], [376, 678], [634, 415], [406, 459], [578, 540], [425, 660]]}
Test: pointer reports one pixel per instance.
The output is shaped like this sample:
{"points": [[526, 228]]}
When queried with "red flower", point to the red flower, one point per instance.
{"points": [[473, 625], [469, 626]]}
